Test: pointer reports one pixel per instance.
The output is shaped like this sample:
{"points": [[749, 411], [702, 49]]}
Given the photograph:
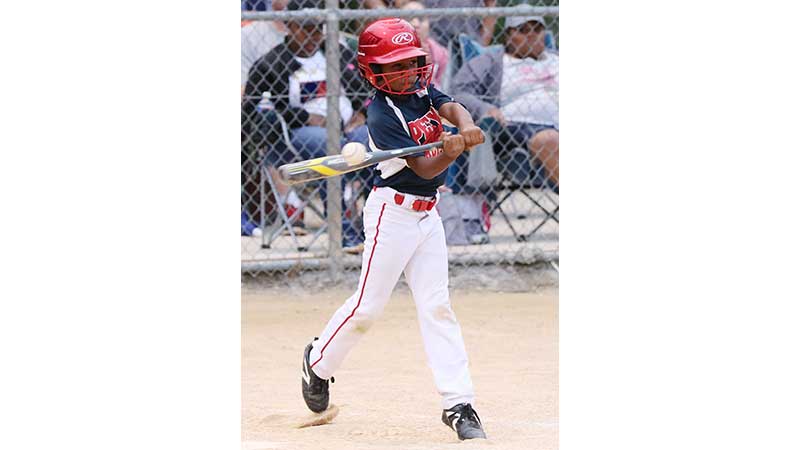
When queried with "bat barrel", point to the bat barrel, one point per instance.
{"points": [[329, 166], [283, 174], [291, 175]]}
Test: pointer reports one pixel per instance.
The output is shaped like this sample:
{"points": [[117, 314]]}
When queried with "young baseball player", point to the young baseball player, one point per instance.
{"points": [[404, 232]]}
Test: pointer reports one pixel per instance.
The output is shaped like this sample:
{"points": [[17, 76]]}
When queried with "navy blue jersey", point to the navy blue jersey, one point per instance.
{"points": [[405, 121]]}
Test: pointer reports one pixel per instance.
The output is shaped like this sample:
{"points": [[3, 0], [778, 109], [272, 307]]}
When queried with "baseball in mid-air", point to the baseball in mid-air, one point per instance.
{"points": [[354, 153]]}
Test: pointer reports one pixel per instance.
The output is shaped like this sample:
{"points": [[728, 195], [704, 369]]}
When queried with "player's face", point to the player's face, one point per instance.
{"points": [[526, 40], [400, 82], [306, 38]]}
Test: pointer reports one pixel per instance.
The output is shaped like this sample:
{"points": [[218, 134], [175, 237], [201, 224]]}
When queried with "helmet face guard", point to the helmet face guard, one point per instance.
{"points": [[414, 80]]}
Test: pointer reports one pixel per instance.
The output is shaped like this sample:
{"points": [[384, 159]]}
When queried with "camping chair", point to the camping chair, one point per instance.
{"points": [[283, 222], [517, 174]]}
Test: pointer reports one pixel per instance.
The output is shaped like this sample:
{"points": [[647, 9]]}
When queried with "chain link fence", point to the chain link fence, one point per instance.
{"points": [[303, 97]]}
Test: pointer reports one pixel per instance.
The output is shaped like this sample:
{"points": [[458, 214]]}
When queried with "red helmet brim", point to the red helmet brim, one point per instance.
{"points": [[399, 55]]}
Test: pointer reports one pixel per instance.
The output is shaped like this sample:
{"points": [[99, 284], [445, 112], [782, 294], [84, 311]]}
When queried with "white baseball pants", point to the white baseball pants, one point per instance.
{"points": [[400, 239]]}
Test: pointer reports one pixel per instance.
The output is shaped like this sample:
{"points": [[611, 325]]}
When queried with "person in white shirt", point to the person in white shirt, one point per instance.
{"points": [[522, 97], [290, 82]]}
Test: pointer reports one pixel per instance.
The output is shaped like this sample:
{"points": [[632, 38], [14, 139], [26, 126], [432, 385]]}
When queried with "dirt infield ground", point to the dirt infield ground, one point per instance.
{"points": [[385, 390]]}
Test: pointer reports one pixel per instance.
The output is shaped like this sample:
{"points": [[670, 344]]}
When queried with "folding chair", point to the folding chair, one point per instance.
{"points": [[519, 176], [286, 222]]}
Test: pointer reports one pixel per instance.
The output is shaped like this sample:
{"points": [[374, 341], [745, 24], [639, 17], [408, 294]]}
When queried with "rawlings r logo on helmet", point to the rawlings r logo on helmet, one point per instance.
{"points": [[402, 38]]}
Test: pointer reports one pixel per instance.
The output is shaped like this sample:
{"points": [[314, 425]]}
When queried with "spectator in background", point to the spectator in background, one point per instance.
{"points": [[375, 4], [292, 77], [519, 89], [256, 5], [447, 29], [259, 36], [437, 54], [263, 5]]}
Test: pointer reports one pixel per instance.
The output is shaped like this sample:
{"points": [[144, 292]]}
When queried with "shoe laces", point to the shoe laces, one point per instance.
{"points": [[468, 414]]}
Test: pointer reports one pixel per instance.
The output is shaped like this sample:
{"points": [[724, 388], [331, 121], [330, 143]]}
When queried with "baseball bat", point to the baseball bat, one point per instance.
{"points": [[333, 165]]}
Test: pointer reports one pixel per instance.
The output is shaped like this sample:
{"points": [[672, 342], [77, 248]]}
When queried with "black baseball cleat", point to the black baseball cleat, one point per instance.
{"points": [[465, 421], [315, 389]]}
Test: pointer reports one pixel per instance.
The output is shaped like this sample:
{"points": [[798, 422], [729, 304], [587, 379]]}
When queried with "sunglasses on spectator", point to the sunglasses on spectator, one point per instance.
{"points": [[530, 27], [310, 28]]}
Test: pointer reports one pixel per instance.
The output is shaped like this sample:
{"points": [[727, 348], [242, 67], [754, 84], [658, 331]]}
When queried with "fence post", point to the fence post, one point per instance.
{"points": [[333, 125]]}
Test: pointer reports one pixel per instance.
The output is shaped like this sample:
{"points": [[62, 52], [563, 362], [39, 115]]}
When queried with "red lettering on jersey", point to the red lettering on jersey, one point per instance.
{"points": [[427, 128], [310, 90]]}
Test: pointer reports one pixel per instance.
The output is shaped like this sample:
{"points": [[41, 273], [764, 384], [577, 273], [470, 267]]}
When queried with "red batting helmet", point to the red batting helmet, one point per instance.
{"points": [[390, 40]]}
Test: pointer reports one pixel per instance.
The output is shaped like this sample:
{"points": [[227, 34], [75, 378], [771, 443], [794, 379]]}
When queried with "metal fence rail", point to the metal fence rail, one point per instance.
{"points": [[298, 103], [343, 14]]}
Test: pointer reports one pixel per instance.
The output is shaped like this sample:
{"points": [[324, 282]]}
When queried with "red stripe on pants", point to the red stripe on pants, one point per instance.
{"points": [[363, 285]]}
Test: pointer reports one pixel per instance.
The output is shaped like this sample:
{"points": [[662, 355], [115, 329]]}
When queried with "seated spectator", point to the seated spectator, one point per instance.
{"points": [[377, 4], [437, 54], [519, 89], [290, 81], [258, 38], [263, 5], [446, 29], [256, 5]]}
